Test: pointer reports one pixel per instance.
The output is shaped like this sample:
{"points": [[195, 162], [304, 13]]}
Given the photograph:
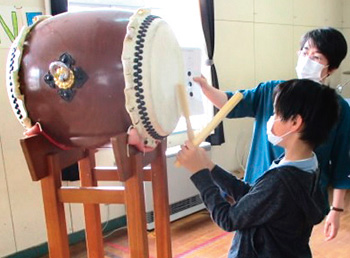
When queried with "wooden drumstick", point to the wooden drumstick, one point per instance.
{"points": [[233, 101], [185, 110]]}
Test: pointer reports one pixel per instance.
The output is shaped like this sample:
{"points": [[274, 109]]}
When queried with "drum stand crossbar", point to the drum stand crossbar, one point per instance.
{"points": [[46, 161]]}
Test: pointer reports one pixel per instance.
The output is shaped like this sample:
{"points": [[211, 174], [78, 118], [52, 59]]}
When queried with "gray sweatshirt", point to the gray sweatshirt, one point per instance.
{"points": [[273, 218]]}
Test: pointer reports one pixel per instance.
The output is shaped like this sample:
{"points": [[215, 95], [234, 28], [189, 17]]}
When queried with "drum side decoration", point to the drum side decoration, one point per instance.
{"points": [[12, 77], [64, 76]]}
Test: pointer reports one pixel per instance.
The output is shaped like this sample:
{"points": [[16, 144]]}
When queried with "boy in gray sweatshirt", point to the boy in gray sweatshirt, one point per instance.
{"points": [[275, 216]]}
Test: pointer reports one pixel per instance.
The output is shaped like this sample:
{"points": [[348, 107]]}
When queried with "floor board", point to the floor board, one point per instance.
{"points": [[196, 236]]}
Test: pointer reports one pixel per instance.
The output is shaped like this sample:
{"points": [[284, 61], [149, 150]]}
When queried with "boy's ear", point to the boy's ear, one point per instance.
{"points": [[297, 123]]}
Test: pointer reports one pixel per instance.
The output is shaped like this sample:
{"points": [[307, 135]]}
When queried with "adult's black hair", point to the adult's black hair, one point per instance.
{"points": [[317, 105], [330, 42]]}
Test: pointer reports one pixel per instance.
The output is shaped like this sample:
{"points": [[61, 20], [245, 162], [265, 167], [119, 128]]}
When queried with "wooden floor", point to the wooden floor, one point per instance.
{"points": [[196, 236]]}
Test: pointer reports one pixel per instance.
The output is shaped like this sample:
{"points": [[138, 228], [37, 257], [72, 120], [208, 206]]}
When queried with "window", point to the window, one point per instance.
{"points": [[184, 18]]}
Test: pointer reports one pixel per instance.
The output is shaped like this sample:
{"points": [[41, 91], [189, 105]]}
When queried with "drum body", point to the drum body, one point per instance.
{"points": [[91, 109]]}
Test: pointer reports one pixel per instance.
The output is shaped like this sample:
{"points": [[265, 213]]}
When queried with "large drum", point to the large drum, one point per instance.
{"points": [[87, 76]]}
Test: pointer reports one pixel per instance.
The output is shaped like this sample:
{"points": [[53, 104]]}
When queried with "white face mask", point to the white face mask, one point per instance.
{"points": [[274, 139], [309, 69]]}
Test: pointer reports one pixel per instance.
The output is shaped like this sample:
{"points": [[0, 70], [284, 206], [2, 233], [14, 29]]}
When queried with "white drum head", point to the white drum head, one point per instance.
{"points": [[153, 67]]}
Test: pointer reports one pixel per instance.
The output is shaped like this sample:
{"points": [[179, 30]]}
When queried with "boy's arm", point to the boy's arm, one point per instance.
{"points": [[229, 184], [253, 209]]}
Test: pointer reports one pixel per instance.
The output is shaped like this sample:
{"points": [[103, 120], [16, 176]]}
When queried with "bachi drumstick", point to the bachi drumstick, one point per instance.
{"points": [[230, 104], [185, 110]]}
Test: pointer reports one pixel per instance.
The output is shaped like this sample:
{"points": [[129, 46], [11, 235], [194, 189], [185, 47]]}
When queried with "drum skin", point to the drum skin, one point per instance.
{"points": [[97, 111]]}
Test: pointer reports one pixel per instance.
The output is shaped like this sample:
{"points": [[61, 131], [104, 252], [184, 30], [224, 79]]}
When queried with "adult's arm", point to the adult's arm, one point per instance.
{"points": [[216, 96], [340, 170], [256, 101], [332, 223]]}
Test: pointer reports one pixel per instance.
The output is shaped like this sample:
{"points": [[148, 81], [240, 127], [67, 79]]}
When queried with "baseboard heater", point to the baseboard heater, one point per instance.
{"points": [[184, 198], [178, 210]]}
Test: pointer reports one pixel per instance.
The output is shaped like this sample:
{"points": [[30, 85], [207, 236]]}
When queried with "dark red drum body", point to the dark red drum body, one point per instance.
{"points": [[96, 111], [66, 73]]}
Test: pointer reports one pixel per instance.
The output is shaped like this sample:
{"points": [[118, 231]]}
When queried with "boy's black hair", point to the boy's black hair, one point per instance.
{"points": [[317, 104], [330, 42]]}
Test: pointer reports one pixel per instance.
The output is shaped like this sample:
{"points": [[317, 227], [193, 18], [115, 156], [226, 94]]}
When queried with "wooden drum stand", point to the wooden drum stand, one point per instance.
{"points": [[46, 161]]}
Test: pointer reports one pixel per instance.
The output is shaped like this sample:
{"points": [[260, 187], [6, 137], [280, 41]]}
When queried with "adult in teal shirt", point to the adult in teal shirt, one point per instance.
{"points": [[321, 52]]}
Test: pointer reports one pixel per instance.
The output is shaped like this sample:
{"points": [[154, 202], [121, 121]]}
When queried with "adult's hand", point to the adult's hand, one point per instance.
{"points": [[216, 96], [331, 225]]}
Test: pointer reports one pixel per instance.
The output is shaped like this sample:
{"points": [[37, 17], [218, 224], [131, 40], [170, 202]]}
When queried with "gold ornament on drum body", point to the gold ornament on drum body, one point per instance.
{"points": [[63, 76]]}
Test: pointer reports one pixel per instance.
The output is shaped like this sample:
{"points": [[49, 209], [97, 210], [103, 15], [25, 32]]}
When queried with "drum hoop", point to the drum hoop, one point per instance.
{"points": [[13, 66]]}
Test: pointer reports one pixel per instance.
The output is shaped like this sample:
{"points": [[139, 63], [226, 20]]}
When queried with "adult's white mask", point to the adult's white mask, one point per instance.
{"points": [[274, 139], [309, 69]]}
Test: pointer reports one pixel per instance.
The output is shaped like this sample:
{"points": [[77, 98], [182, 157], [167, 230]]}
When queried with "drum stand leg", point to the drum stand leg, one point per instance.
{"points": [[54, 208], [135, 210], [92, 214], [46, 162], [161, 203], [54, 211], [131, 170]]}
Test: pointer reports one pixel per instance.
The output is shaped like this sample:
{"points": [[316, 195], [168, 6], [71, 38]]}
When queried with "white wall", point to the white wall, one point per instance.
{"points": [[21, 217], [22, 223], [256, 41]]}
